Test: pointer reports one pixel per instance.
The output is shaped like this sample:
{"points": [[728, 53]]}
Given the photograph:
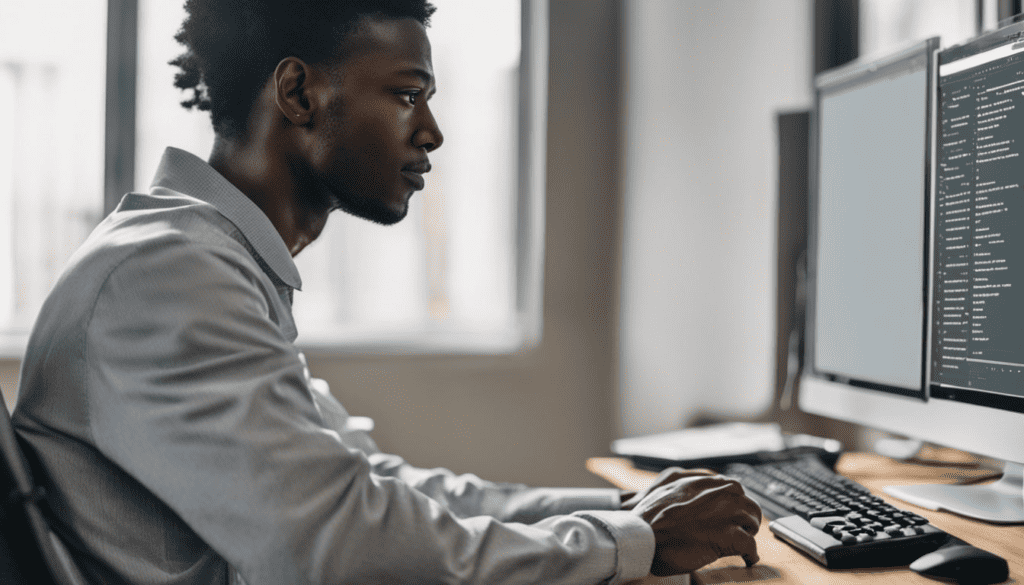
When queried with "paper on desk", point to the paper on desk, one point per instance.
{"points": [[721, 440]]}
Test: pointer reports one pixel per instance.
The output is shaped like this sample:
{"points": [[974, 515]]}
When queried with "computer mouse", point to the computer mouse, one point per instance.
{"points": [[963, 563]]}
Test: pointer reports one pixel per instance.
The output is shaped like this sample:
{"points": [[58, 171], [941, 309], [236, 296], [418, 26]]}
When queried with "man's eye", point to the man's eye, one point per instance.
{"points": [[410, 96]]}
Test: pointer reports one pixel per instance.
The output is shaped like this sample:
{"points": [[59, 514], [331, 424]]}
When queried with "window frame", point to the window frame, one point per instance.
{"points": [[122, 71]]}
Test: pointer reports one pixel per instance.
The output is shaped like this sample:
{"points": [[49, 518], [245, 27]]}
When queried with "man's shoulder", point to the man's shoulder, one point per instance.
{"points": [[151, 240], [144, 225], [168, 216]]}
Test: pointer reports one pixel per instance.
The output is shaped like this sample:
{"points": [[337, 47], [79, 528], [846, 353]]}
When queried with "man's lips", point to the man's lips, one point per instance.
{"points": [[414, 173], [415, 178]]}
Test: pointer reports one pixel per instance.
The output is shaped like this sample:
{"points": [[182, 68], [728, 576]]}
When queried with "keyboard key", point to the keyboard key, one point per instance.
{"points": [[893, 529], [823, 522], [827, 512]]}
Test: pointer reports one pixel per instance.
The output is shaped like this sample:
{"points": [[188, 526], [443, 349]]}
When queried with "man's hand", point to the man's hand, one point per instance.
{"points": [[667, 476], [698, 519]]}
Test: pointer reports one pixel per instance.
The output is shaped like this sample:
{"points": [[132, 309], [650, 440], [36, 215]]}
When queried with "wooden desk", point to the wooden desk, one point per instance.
{"points": [[783, 564]]}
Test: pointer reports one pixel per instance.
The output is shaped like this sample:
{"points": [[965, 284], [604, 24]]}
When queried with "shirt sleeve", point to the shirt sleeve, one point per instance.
{"points": [[466, 494], [196, 393]]}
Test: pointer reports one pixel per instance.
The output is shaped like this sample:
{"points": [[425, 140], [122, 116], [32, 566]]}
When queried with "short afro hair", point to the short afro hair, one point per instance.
{"points": [[232, 46]]}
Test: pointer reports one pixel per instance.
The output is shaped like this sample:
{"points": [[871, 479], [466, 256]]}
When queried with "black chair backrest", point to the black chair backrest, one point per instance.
{"points": [[30, 553]]}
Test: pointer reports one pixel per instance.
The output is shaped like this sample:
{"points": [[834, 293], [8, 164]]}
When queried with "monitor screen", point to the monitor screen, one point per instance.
{"points": [[977, 322], [869, 199]]}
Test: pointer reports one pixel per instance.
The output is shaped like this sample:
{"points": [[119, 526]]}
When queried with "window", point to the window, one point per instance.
{"points": [[51, 148], [460, 273]]}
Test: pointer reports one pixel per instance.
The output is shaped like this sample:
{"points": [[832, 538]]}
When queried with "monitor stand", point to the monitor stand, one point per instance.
{"points": [[1001, 502]]}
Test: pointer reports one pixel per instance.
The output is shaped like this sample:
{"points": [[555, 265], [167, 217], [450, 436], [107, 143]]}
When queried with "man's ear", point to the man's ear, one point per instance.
{"points": [[291, 92]]}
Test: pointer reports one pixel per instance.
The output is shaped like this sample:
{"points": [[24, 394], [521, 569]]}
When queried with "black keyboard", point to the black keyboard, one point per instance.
{"points": [[834, 520]]}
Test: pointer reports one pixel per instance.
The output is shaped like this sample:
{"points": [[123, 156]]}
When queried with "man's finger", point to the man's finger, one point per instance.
{"points": [[750, 524], [746, 547], [752, 508]]}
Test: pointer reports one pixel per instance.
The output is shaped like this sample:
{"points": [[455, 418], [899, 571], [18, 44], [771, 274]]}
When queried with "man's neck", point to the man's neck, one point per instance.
{"points": [[263, 175]]}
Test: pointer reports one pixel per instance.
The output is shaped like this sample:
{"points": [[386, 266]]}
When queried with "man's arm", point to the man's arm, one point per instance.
{"points": [[468, 495], [464, 495], [195, 393]]}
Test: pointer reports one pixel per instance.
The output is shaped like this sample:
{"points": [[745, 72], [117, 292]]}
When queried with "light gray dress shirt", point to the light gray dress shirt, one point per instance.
{"points": [[182, 441]]}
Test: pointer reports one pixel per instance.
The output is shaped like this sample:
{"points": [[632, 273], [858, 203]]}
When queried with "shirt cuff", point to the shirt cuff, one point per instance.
{"points": [[634, 542]]}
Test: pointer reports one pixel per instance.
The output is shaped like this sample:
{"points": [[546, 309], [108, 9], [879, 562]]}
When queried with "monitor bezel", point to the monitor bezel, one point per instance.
{"points": [[842, 78]]}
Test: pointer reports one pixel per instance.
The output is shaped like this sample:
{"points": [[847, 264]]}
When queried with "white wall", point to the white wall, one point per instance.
{"points": [[703, 80]]}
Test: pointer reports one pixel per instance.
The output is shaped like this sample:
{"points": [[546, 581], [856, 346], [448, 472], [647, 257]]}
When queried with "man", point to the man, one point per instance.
{"points": [[175, 425]]}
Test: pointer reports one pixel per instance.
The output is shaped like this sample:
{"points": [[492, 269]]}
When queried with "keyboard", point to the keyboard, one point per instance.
{"points": [[835, 520]]}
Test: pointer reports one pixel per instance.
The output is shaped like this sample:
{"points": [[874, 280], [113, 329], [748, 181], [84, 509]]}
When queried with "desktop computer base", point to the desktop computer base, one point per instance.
{"points": [[1001, 502]]}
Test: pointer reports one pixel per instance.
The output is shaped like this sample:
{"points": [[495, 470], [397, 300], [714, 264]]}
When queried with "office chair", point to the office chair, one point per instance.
{"points": [[30, 553]]}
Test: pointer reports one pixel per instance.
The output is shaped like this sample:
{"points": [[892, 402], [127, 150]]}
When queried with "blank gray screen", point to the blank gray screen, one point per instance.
{"points": [[869, 307]]}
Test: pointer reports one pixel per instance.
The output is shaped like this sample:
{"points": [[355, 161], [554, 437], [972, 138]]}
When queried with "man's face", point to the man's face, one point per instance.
{"points": [[376, 128]]}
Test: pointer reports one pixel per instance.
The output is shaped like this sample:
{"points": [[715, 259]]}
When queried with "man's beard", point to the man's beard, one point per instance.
{"points": [[367, 208]]}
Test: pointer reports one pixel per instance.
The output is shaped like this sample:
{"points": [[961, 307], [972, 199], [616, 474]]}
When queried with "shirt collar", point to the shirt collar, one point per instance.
{"points": [[186, 173]]}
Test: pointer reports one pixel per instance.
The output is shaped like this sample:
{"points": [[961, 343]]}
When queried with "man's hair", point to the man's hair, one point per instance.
{"points": [[232, 46]]}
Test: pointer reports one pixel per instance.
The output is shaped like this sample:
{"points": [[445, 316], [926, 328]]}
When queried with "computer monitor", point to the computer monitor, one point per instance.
{"points": [[867, 254], [888, 182]]}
